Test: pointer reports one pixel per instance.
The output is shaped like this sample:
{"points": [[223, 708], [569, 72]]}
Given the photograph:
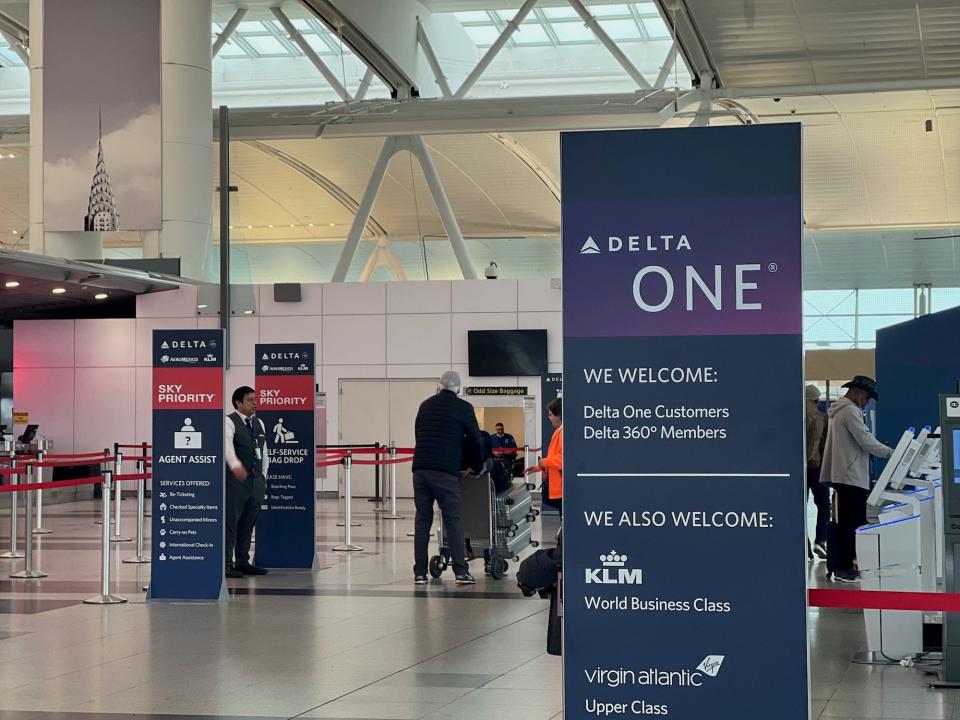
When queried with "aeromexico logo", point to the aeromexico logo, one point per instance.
{"points": [[685, 287]]}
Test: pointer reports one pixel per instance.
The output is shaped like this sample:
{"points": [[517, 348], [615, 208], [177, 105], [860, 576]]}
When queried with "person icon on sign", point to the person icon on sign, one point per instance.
{"points": [[188, 426], [281, 435]]}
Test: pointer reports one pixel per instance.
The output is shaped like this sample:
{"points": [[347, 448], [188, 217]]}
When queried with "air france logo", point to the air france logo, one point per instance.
{"points": [[711, 665], [613, 571]]}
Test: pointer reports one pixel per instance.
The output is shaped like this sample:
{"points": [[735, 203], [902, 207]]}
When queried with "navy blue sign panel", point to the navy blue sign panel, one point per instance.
{"points": [[286, 531], [683, 424], [551, 388], [187, 524]]}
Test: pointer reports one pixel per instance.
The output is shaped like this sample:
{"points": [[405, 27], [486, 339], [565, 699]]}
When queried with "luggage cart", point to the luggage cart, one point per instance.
{"points": [[499, 524]]}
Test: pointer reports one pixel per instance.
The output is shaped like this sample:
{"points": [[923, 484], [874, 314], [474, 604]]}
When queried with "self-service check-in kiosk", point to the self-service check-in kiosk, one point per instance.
{"points": [[950, 468], [889, 556]]}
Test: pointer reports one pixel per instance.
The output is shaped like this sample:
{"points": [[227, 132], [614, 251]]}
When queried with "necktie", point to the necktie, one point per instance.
{"points": [[250, 425]]}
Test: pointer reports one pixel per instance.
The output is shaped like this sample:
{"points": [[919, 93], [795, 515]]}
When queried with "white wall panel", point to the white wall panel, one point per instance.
{"points": [[244, 335], [145, 328], [236, 376], [419, 297], [304, 329], [462, 322], [181, 302], [486, 296], [354, 298], [311, 301], [105, 405], [419, 372], [536, 295], [143, 431], [43, 343], [354, 340], [418, 338], [106, 343], [48, 395], [331, 384], [552, 322]]}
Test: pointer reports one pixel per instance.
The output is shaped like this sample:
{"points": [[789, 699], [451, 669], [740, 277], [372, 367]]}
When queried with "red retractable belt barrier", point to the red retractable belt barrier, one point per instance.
{"points": [[137, 458], [395, 461], [138, 446], [71, 463], [884, 600], [77, 456]]}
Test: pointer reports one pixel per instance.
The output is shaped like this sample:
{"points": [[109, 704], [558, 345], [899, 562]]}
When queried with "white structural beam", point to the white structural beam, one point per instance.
{"points": [[387, 151], [494, 49], [433, 62], [415, 145], [668, 65], [597, 29], [364, 85], [17, 47], [228, 30], [301, 42], [383, 256]]}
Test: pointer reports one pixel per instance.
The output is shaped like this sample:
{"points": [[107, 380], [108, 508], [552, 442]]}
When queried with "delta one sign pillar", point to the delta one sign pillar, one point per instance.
{"points": [[285, 391], [684, 486], [187, 556]]}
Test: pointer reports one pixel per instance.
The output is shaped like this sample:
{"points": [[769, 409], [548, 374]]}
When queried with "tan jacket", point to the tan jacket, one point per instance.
{"points": [[816, 431]]}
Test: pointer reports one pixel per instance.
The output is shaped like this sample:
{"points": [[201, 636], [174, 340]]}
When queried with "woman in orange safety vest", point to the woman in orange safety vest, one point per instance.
{"points": [[552, 465]]}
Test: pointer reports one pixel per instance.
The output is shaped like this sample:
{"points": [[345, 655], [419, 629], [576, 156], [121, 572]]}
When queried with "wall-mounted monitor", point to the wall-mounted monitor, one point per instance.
{"points": [[507, 352]]}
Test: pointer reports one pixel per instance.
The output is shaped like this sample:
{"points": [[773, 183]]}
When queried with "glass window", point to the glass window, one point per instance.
{"points": [[944, 298], [266, 45], [827, 302], [560, 12], [605, 10], [621, 29], [231, 50], [301, 25], [318, 44], [531, 34], [656, 28], [869, 324], [251, 26], [573, 32], [473, 16], [886, 301], [482, 34], [826, 331]]}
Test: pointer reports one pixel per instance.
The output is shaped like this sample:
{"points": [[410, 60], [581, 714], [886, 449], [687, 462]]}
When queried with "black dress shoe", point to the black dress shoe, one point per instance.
{"points": [[232, 573], [248, 569]]}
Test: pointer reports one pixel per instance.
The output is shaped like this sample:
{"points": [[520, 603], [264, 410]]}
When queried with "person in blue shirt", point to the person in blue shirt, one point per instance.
{"points": [[503, 442]]}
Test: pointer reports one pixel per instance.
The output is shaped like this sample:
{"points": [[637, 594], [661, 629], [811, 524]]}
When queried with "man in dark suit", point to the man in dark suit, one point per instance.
{"points": [[246, 481]]}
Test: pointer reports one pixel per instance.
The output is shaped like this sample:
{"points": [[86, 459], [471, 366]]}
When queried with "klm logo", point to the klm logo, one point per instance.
{"points": [[613, 572]]}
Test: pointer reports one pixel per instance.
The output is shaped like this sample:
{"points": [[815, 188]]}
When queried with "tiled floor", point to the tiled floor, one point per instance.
{"points": [[353, 640]]}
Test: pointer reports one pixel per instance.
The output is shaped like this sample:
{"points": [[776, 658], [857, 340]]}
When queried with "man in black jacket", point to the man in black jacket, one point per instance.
{"points": [[445, 427]]}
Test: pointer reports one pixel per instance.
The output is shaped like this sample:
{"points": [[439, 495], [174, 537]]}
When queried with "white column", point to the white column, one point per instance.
{"points": [[187, 81], [71, 245]]}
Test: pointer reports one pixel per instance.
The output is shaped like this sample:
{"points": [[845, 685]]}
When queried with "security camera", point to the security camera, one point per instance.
{"points": [[491, 273]]}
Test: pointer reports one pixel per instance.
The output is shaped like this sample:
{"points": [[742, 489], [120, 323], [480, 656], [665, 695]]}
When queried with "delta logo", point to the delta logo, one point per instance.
{"points": [[636, 243], [613, 571]]}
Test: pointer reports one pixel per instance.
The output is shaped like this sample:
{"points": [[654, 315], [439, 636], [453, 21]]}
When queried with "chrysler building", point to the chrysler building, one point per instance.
{"points": [[102, 215]]}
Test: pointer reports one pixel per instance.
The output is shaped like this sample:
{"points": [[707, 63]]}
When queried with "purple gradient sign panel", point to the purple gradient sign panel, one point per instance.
{"points": [[683, 424]]}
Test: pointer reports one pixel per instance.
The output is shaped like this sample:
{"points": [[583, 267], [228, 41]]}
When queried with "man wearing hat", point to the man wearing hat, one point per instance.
{"points": [[446, 431], [816, 422], [846, 466]]}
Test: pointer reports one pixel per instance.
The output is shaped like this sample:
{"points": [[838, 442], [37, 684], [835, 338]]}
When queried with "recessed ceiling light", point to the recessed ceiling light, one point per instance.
{"points": [[201, 307], [100, 296], [310, 225], [332, 224], [58, 291], [231, 227], [269, 226], [13, 232], [249, 227], [292, 225], [12, 284], [248, 312], [11, 155]]}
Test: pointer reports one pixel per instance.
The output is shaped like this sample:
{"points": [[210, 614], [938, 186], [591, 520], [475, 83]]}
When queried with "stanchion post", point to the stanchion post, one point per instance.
{"points": [[143, 453], [38, 528], [378, 497], [28, 571], [105, 597], [141, 505], [13, 553], [103, 469], [348, 545], [393, 484], [348, 494], [526, 456], [117, 497]]}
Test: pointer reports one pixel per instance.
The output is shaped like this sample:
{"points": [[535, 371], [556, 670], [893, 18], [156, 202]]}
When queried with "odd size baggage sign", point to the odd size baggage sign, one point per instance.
{"points": [[684, 454], [285, 393], [187, 523]]}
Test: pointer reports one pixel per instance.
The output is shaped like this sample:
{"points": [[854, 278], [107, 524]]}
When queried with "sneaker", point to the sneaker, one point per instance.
{"points": [[846, 576], [820, 550], [466, 579], [419, 579]]}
